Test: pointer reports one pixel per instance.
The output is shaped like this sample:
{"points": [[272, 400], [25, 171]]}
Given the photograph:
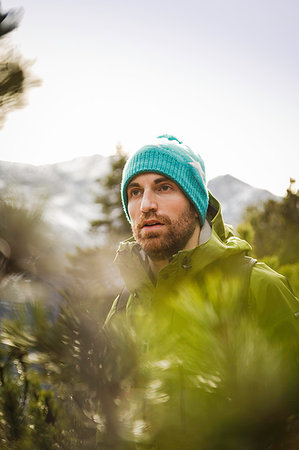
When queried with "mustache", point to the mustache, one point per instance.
{"points": [[150, 216]]}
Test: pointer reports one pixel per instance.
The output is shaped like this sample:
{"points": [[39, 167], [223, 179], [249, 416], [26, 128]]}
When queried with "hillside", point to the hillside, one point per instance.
{"points": [[235, 195]]}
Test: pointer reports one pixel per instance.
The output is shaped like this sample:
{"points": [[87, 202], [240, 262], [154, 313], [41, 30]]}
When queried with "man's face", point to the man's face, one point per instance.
{"points": [[163, 219]]}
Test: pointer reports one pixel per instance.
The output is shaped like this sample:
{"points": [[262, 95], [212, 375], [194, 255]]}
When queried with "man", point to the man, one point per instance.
{"points": [[202, 311], [179, 236]]}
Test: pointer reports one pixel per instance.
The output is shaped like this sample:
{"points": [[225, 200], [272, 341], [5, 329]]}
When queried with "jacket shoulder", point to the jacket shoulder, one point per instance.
{"points": [[271, 297]]}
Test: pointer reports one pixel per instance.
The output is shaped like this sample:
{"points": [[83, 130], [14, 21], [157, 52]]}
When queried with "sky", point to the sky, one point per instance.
{"points": [[220, 75]]}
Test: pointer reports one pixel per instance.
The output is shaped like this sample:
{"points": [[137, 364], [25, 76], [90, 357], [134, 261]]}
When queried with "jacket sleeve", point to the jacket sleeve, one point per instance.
{"points": [[273, 302]]}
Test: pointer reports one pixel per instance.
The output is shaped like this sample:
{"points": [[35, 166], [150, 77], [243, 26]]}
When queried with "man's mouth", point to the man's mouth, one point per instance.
{"points": [[151, 224]]}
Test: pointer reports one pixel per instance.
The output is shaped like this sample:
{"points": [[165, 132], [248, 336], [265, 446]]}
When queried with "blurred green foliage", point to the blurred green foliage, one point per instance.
{"points": [[26, 237], [212, 377]]}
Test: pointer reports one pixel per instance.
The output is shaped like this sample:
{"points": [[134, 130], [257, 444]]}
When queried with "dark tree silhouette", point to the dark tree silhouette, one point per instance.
{"points": [[112, 219], [15, 70], [275, 227]]}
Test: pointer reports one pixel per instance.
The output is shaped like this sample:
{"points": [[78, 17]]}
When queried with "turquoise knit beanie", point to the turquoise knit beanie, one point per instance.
{"points": [[170, 157]]}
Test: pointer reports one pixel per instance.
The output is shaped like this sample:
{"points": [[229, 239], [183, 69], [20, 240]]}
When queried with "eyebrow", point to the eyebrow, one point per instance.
{"points": [[133, 184], [161, 179], [156, 181]]}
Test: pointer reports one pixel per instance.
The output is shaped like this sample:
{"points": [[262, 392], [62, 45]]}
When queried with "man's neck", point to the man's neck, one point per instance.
{"points": [[156, 266]]}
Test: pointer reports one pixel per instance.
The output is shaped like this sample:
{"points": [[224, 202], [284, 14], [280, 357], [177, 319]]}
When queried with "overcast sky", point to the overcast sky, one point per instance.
{"points": [[221, 75]]}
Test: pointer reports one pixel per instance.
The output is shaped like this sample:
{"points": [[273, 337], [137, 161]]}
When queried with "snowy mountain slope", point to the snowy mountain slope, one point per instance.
{"points": [[235, 195], [66, 190]]}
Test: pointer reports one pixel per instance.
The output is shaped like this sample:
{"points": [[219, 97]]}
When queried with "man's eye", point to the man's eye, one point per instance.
{"points": [[165, 188], [134, 192]]}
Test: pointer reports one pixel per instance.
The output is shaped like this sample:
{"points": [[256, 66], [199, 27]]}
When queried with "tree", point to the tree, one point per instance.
{"points": [[112, 221], [272, 229], [275, 227], [32, 416], [60, 380]]}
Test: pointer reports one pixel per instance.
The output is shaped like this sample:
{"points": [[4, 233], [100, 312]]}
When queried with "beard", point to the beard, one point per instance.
{"points": [[174, 235]]}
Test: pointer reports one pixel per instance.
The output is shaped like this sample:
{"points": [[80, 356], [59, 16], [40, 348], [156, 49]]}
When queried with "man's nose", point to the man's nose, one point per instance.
{"points": [[149, 201]]}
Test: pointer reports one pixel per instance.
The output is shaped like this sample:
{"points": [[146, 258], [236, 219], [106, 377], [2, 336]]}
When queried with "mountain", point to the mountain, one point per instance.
{"points": [[234, 196], [67, 191]]}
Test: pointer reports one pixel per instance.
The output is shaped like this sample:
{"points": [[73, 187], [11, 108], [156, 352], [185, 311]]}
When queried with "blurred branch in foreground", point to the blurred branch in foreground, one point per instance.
{"points": [[9, 20], [15, 79], [213, 377], [31, 261]]}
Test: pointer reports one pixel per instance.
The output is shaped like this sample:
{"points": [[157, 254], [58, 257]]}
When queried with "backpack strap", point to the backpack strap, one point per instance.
{"points": [[122, 300], [249, 264], [118, 305]]}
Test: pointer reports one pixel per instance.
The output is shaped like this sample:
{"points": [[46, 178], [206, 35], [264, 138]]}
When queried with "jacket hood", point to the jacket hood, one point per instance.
{"points": [[222, 244]]}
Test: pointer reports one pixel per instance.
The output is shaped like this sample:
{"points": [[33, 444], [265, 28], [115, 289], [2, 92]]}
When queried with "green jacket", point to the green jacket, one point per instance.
{"points": [[193, 346], [268, 294]]}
